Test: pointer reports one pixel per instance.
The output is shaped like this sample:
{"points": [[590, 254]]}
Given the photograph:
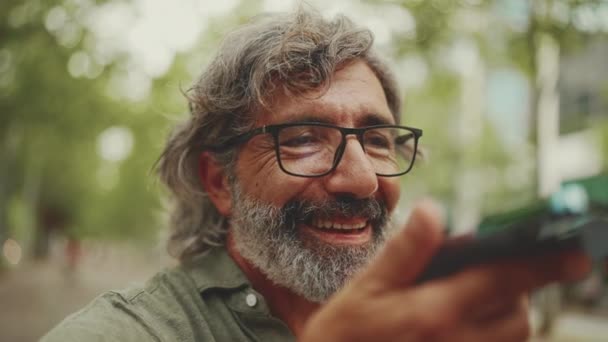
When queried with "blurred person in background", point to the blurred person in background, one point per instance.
{"points": [[284, 178]]}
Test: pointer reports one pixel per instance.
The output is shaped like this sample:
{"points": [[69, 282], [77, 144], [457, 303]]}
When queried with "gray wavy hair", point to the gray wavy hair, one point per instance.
{"points": [[298, 52]]}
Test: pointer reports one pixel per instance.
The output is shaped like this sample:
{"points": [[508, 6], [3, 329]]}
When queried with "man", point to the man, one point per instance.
{"points": [[284, 177]]}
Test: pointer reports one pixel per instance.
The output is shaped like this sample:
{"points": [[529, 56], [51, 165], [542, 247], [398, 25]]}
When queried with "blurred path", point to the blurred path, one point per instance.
{"points": [[581, 327], [36, 296]]}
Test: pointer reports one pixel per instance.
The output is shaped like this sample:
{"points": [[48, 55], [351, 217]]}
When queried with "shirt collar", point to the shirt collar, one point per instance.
{"points": [[215, 269]]}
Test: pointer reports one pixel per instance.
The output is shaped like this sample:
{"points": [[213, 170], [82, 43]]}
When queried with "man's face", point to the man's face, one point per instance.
{"points": [[309, 234]]}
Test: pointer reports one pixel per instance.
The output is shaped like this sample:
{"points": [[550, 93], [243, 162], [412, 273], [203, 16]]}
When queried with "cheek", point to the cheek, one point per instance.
{"points": [[261, 177], [257, 166], [390, 188]]}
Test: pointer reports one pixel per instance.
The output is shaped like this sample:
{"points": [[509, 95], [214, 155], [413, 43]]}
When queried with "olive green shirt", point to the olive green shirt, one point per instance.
{"points": [[209, 299]]}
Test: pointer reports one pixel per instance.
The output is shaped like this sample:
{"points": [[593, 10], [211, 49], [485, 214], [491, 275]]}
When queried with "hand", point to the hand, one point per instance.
{"points": [[482, 303]]}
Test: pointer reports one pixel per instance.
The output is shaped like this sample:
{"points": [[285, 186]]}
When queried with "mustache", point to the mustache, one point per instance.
{"points": [[373, 209]]}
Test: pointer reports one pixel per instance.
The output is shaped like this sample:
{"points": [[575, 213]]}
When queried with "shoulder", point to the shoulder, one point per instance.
{"points": [[135, 314], [104, 319], [191, 302]]}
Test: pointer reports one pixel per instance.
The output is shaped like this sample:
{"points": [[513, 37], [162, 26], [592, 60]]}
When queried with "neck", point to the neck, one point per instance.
{"points": [[292, 309]]}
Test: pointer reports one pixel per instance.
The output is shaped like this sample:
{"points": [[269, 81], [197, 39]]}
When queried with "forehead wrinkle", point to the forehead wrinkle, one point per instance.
{"points": [[331, 113]]}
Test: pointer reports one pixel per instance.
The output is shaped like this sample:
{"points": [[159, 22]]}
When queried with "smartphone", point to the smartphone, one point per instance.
{"points": [[584, 233]]}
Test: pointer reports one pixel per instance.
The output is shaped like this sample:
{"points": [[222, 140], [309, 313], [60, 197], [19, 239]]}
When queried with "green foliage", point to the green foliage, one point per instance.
{"points": [[55, 120], [52, 176]]}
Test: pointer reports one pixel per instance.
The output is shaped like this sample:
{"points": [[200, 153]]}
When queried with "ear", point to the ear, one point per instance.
{"points": [[215, 183]]}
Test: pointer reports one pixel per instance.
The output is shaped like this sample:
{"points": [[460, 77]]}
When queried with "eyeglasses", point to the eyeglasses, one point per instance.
{"points": [[312, 149]]}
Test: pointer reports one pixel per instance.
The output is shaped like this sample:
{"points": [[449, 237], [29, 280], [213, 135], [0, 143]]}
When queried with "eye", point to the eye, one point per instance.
{"points": [[300, 141], [377, 140], [404, 138]]}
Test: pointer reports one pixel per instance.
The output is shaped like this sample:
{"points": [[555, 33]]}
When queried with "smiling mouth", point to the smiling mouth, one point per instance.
{"points": [[339, 231]]}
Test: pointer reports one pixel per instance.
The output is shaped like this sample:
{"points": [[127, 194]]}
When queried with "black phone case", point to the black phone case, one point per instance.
{"points": [[587, 234]]}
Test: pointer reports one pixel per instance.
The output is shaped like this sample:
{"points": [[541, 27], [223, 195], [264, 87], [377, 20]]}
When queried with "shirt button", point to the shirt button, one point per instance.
{"points": [[251, 300]]}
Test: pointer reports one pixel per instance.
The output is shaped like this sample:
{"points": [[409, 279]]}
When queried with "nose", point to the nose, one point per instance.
{"points": [[355, 175]]}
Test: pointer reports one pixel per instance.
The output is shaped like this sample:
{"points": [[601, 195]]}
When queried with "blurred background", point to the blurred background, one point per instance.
{"points": [[512, 96]]}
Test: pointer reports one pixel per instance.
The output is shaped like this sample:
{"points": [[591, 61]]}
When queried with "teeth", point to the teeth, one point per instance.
{"points": [[327, 224]]}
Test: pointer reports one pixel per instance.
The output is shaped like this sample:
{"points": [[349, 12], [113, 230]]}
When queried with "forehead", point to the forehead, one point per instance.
{"points": [[354, 98]]}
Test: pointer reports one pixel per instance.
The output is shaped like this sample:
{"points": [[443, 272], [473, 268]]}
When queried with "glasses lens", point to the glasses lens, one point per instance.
{"points": [[391, 150], [308, 150]]}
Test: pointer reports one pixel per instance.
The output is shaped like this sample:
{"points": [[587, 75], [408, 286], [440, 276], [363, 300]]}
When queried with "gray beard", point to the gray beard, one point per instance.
{"points": [[267, 237]]}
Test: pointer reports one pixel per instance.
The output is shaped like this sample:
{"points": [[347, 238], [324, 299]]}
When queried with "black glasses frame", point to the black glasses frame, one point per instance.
{"points": [[275, 129]]}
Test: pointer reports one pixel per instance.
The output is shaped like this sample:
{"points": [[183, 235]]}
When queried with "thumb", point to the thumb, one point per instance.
{"points": [[407, 253]]}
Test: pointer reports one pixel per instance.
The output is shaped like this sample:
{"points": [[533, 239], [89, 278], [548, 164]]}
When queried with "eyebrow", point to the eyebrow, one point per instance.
{"points": [[373, 119], [370, 119], [309, 118]]}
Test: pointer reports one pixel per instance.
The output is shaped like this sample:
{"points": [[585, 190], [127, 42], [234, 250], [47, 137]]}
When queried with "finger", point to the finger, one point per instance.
{"points": [[510, 325], [577, 266], [428, 318], [407, 253], [498, 308]]}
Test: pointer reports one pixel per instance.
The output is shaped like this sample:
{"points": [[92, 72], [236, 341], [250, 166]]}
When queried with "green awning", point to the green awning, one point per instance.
{"points": [[596, 188]]}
